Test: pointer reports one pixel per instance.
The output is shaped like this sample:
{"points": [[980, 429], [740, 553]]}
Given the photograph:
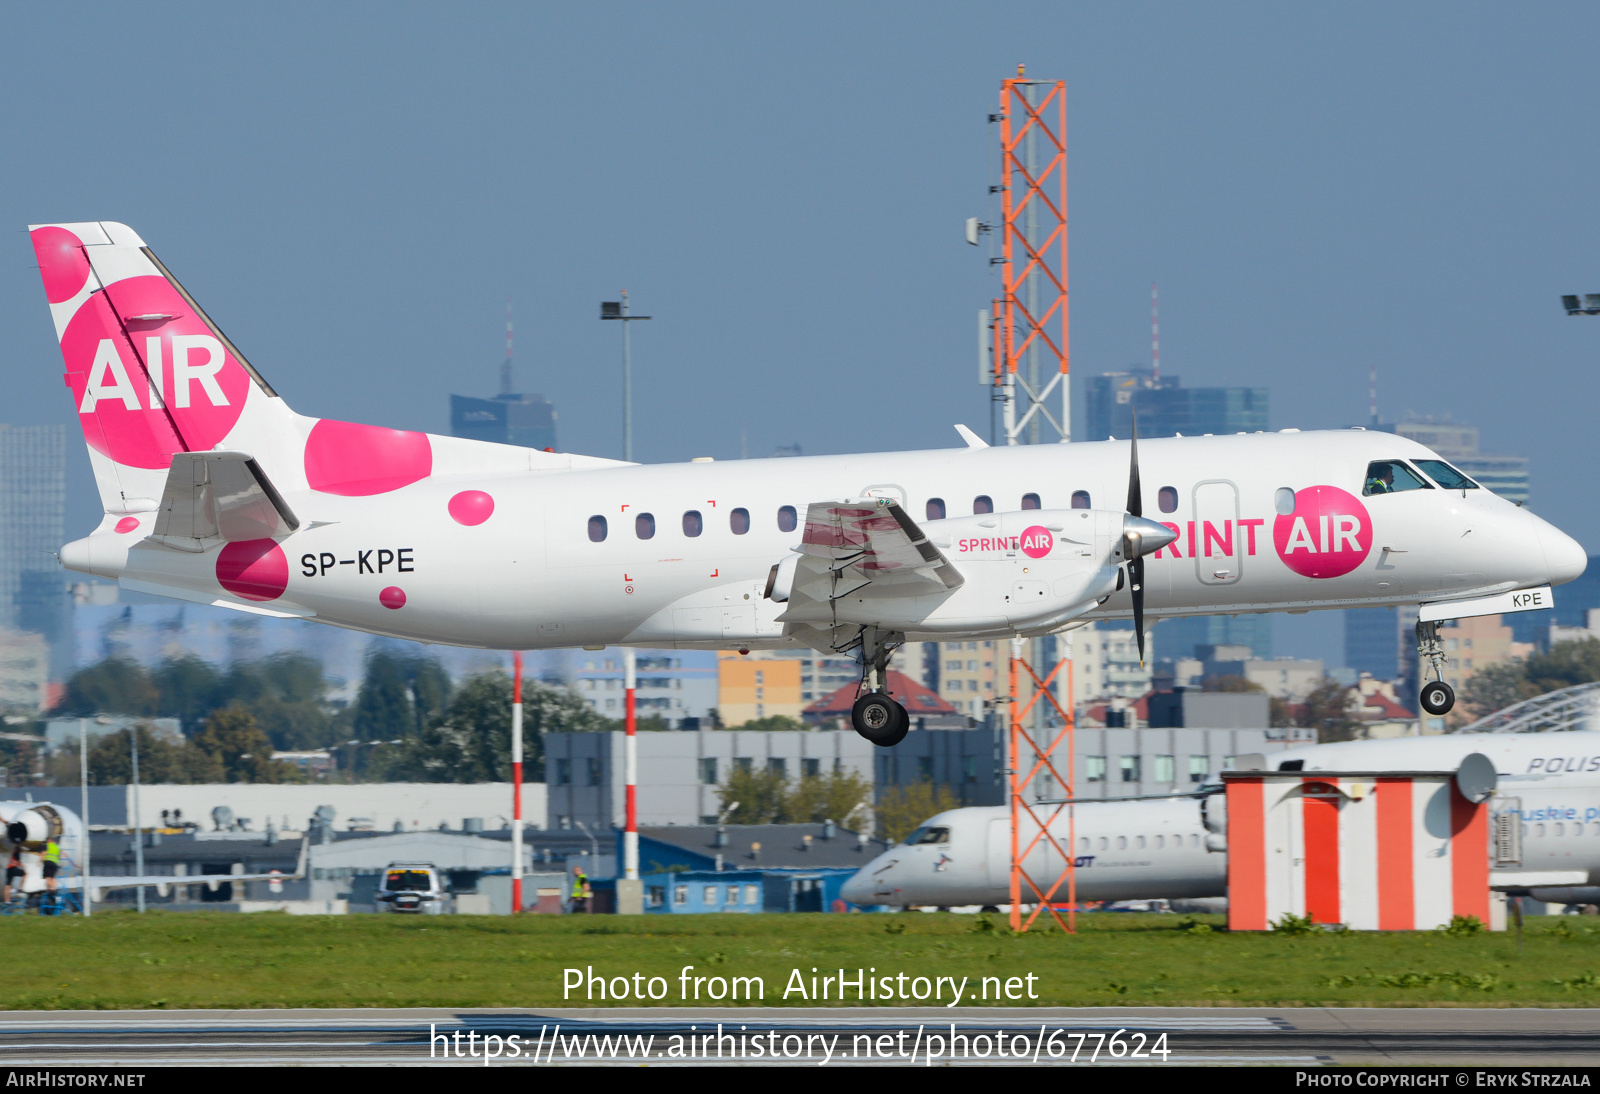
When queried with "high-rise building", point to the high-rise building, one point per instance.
{"points": [[1179, 637], [33, 507], [1166, 408], [1373, 643], [525, 420]]}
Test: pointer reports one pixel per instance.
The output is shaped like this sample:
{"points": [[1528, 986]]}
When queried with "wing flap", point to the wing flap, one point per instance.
{"points": [[864, 546]]}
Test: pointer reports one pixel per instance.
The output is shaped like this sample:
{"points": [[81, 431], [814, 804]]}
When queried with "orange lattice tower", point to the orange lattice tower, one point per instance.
{"points": [[1031, 318]]}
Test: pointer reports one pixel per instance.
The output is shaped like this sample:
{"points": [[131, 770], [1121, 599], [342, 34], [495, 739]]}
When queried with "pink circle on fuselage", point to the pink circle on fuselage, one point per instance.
{"points": [[126, 525], [62, 263], [1328, 534], [128, 421], [471, 507], [1037, 541], [255, 569], [392, 597], [356, 461]]}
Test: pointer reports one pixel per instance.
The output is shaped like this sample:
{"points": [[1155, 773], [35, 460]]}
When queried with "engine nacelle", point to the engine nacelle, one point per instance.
{"points": [[29, 827]]}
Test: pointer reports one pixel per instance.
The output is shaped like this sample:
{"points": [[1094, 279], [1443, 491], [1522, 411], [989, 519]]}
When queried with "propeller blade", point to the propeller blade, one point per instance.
{"points": [[1135, 496], [1136, 590]]}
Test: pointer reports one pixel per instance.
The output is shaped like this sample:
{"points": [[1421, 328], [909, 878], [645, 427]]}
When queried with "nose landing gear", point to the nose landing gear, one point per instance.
{"points": [[875, 715], [1437, 696]]}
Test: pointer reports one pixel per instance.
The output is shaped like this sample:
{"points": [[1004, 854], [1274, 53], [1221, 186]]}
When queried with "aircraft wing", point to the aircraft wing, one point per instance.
{"points": [[163, 883], [863, 546]]}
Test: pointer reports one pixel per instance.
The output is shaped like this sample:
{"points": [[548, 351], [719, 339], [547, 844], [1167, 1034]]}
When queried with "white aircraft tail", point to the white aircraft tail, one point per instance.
{"points": [[150, 374]]}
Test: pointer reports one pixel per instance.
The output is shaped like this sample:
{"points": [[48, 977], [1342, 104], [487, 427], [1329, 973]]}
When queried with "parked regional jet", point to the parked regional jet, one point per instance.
{"points": [[1170, 848], [215, 491]]}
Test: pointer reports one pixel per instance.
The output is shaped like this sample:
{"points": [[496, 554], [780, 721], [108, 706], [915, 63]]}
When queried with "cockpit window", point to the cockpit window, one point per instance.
{"points": [[1391, 477], [929, 834], [1446, 476]]}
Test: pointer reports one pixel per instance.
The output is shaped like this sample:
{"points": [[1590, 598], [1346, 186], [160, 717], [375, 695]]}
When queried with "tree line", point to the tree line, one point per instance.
{"points": [[408, 721]]}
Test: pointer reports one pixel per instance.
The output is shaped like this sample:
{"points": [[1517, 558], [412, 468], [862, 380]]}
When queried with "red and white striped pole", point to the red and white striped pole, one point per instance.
{"points": [[516, 782], [630, 831]]}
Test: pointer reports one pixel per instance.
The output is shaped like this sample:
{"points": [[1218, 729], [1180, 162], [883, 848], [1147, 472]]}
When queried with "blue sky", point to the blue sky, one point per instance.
{"points": [[353, 190]]}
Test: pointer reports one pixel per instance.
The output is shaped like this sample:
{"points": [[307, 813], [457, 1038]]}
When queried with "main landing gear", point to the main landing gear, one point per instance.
{"points": [[1437, 696], [875, 715]]}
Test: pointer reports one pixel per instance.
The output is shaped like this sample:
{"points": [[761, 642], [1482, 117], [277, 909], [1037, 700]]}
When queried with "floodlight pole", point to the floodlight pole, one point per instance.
{"points": [[618, 310], [516, 782]]}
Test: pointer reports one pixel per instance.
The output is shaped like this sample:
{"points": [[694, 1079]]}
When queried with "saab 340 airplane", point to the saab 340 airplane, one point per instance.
{"points": [[215, 491]]}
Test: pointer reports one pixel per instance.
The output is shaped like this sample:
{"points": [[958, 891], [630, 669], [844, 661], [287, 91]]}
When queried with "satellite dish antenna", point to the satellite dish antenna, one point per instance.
{"points": [[975, 228], [1476, 778]]}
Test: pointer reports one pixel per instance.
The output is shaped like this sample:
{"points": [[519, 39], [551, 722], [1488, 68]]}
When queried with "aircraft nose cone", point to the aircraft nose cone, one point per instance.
{"points": [[857, 890], [1564, 556], [1145, 536]]}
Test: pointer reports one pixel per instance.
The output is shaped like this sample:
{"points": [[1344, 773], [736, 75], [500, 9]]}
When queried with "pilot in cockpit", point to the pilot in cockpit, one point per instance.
{"points": [[1392, 477], [1380, 479]]}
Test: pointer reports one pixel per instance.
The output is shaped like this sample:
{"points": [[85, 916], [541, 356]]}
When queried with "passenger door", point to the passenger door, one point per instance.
{"points": [[1215, 541]]}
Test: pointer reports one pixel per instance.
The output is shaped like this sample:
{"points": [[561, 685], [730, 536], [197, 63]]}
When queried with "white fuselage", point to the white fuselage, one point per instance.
{"points": [[532, 576], [1157, 849]]}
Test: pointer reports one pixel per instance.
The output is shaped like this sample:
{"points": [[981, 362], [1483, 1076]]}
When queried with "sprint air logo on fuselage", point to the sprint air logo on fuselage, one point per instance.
{"points": [[1327, 534], [1035, 542]]}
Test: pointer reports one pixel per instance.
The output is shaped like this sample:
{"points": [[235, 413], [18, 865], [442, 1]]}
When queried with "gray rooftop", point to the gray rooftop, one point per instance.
{"points": [[781, 845]]}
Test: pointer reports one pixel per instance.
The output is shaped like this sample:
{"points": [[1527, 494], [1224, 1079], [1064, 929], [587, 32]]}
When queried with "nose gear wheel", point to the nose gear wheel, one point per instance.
{"points": [[1437, 697]]}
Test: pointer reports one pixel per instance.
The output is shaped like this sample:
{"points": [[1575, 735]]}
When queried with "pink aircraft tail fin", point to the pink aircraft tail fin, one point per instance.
{"points": [[149, 372]]}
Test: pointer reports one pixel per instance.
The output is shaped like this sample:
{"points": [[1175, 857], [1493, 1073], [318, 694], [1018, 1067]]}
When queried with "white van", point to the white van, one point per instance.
{"points": [[416, 888]]}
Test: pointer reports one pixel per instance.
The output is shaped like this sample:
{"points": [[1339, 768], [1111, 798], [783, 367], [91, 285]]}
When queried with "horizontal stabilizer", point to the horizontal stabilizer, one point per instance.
{"points": [[213, 496]]}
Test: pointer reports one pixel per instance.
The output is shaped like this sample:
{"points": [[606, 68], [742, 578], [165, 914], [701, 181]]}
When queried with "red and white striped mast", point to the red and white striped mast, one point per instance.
{"points": [[516, 782], [630, 766]]}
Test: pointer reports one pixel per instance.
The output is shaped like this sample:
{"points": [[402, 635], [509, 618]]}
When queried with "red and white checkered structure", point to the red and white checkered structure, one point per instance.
{"points": [[1390, 851]]}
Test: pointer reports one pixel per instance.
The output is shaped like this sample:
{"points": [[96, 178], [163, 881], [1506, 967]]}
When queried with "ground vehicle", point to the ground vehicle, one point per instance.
{"points": [[417, 888]]}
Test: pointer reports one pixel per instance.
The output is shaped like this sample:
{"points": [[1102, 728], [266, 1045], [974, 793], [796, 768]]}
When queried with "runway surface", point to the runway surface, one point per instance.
{"points": [[1310, 1036]]}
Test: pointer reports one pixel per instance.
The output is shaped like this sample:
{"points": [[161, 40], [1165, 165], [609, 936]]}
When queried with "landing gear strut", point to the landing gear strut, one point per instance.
{"points": [[1437, 696], [875, 715]]}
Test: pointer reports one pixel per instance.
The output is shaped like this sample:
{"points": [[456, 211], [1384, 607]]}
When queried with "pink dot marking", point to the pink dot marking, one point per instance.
{"points": [[255, 569], [62, 263], [356, 461], [392, 597], [471, 507], [126, 525]]}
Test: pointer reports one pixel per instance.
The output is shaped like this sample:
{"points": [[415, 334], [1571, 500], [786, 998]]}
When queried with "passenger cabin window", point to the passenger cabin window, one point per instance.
{"points": [[787, 519], [1446, 476], [1080, 499], [1283, 500], [644, 525], [983, 503], [597, 529], [1391, 477], [1168, 499], [693, 525], [929, 834], [739, 521], [935, 508], [1030, 501]]}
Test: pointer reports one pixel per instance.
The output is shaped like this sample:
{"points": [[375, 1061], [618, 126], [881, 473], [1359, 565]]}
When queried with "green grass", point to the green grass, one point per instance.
{"points": [[182, 960]]}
